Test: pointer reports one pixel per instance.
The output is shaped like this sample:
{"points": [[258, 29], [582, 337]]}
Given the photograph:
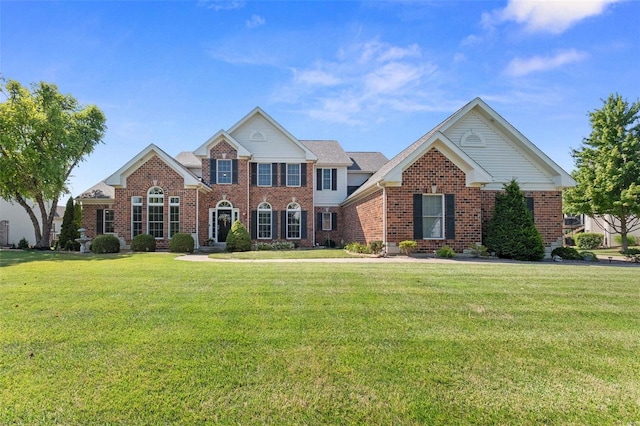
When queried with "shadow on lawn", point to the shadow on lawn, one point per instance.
{"points": [[15, 257]]}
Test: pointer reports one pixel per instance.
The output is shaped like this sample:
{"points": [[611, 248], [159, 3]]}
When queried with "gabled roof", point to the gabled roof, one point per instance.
{"points": [[310, 156], [189, 160], [99, 191], [391, 172], [119, 178], [369, 162], [328, 153], [203, 150]]}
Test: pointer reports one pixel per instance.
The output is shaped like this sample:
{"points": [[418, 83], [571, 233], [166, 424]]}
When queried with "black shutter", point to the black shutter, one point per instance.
{"points": [[99, 221], [254, 174], [530, 204], [319, 179], [212, 171], [283, 225], [334, 179], [283, 174], [274, 174], [274, 224], [417, 217], [234, 171], [319, 227], [450, 217], [303, 174], [254, 224], [334, 221], [303, 224]]}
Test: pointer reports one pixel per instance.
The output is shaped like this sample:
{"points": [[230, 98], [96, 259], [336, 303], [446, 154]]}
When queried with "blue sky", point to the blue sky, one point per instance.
{"points": [[373, 75]]}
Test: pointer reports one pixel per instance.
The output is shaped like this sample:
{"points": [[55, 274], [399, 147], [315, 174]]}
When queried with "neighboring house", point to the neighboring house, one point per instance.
{"points": [[15, 223], [440, 190], [598, 226]]}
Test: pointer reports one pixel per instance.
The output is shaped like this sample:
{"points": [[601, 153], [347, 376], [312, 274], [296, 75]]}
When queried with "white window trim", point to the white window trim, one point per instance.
{"points": [[330, 215], [324, 188], [218, 171], [174, 202], [104, 221], [299, 175], [262, 209], [442, 217], [150, 204], [258, 174], [297, 209], [135, 203]]}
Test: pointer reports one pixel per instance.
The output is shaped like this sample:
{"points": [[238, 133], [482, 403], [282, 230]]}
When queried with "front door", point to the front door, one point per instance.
{"points": [[224, 220]]}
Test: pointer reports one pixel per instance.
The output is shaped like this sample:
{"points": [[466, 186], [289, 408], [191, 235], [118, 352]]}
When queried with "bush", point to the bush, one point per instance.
{"points": [[263, 247], [276, 245], [632, 254], [478, 250], [376, 246], [446, 251], [143, 242], [512, 233], [588, 256], [23, 244], [408, 246], [105, 244], [238, 238], [181, 243], [566, 253], [632, 240], [357, 248], [589, 241]]}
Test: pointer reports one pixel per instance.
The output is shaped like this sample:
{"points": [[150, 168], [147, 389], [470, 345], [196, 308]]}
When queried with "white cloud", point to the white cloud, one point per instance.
{"points": [[519, 67], [255, 21], [221, 4], [316, 77], [554, 16], [391, 77]]}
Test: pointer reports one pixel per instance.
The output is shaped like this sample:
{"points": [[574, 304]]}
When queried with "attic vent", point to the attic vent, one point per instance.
{"points": [[257, 135], [472, 138]]}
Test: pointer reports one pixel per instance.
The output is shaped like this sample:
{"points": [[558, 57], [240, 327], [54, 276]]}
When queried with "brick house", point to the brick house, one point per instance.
{"points": [[439, 190]]}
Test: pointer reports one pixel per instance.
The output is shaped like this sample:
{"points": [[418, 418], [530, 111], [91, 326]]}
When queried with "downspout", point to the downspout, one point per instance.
{"points": [[384, 216], [313, 210], [197, 218], [248, 223]]}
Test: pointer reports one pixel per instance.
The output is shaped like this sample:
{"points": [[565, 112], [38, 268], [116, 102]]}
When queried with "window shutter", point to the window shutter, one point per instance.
{"points": [[319, 221], [303, 174], [274, 224], [334, 179], [283, 174], [274, 174], [254, 224], [303, 224], [99, 221], [212, 171], [334, 221], [319, 179], [417, 217], [450, 216], [234, 171], [283, 225], [530, 203], [254, 174]]}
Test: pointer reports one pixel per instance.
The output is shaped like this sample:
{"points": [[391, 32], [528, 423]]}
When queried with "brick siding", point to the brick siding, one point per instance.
{"points": [[362, 221]]}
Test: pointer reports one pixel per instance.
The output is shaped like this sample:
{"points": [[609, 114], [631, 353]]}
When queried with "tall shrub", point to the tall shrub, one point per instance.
{"points": [[512, 233], [181, 243], [69, 229], [238, 238]]}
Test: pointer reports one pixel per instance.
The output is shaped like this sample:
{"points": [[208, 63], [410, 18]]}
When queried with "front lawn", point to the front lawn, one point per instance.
{"points": [[286, 254], [145, 339]]}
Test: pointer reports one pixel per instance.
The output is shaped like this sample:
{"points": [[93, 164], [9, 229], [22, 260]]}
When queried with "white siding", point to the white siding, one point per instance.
{"points": [[276, 148], [331, 198], [20, 225], [357, 178], [499, 156]]}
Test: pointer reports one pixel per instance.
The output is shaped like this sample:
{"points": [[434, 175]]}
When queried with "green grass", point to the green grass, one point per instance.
{"points": [[615, 251], [286, 254], [146, 339]]}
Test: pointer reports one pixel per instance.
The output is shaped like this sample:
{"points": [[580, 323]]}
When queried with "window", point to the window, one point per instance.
{"points": [[174, 215], [293, 174], [264, 174], [155, 212], [264, 221], [326, 221], [326, 179], [109, 218], [136, 216], [293, 221], [433, 216], [225, 171]]}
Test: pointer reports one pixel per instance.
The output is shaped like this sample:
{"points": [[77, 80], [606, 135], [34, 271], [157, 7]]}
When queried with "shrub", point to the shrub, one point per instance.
{"points": [[105, 244], [283, 245], [512, 233], [446, 251], [263, 246], [588, 256], [181, 243], [23, 244], [357, 248], [376, 246], [143, 242], [632, 254], [566, 253], [632, 240], [589, 241], [238, 238], [478, 250], [408, 246]]}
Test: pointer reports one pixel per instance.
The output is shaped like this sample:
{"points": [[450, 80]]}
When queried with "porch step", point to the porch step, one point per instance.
{"points": [[216, 248]]}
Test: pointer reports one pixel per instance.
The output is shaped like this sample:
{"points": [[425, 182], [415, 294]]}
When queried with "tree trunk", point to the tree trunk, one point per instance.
{"points": [[47, 222], [32, 216], [623, 233]]}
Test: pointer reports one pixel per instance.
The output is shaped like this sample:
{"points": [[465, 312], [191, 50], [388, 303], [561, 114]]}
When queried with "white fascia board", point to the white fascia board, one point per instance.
{"points": [[203, 150]]}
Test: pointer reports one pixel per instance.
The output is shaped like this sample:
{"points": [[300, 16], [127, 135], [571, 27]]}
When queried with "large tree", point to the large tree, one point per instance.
{"points": [[608, 168], [43, 136]]}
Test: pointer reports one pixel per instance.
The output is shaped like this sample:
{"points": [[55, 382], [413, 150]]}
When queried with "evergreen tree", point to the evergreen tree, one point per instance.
{"points": [[69, 230], [512, 233], [238, 238]]}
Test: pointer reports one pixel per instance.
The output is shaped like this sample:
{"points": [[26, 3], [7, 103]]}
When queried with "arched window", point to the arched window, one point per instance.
{"points": [[264, 221], [293, 221], [155, 212]]}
